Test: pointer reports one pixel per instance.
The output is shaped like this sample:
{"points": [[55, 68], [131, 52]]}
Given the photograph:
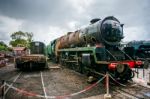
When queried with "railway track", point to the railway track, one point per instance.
{"points": [[131, 91]]}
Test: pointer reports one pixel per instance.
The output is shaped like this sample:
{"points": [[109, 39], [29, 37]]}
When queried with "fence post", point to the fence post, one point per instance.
{"points": [[148, 83], [137, 72], [143, 73], [3, 89], [107, 95]]}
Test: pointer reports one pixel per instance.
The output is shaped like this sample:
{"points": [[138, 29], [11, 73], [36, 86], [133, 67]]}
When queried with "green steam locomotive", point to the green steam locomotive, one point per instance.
{"points": [[94, 50]]}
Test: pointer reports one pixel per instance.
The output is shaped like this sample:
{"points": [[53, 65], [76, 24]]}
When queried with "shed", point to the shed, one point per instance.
{"points": [[19, 51]]}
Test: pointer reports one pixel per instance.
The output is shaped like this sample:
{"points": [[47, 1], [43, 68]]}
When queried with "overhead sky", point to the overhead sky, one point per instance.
{"points": [[49, 19]]}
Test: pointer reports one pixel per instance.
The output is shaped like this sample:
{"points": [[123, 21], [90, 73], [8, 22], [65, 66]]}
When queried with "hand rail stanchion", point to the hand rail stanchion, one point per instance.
{"points": [[148, 83], [107, 95], [137, 72], [3, 89], [143, 73]]}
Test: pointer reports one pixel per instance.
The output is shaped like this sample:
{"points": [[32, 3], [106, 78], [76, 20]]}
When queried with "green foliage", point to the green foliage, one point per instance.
{"points": [[3, 46], [18, 35], [29, 36], [19, 42], [20, 38]]}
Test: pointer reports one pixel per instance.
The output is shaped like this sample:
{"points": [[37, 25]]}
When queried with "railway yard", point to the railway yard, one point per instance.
{"points": [[62, 83], [74, 49]]}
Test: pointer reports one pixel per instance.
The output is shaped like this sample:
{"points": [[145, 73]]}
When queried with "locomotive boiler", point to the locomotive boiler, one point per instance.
{"points": [[94, 50]]}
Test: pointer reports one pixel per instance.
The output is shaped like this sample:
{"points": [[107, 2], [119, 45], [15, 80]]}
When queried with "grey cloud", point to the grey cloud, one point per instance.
{"points": [[52, 12], [58, 13], [132, 13], [4, 36]]}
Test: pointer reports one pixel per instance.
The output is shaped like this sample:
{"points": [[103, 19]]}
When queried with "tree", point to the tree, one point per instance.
{"points": [[3, 46], [29, 37], [21, 39], [18, 42], [18, 35]]}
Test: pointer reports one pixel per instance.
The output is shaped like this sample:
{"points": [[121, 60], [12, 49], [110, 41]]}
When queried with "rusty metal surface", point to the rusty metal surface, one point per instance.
{"points": [[74, 38], [57, 47], [33, 57], [64, 41]]}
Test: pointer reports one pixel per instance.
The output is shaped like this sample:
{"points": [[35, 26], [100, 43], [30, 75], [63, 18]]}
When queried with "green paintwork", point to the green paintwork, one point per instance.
{"points": [[78, 49], [85, 49], [49, 51]]}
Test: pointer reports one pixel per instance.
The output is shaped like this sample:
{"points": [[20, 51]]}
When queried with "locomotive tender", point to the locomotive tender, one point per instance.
{"points": [[94, 50], [36, 59]]}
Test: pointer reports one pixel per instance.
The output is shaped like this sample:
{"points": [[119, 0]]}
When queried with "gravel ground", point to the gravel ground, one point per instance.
{"points": [[56, 81], [66, 81]]}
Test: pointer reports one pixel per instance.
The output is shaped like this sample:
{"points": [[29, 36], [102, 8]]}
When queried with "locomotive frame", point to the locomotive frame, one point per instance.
{"points": [[88, 60]]}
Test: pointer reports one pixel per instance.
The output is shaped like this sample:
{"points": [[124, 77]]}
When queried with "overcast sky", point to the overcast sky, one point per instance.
{"points": [[49, 19]]}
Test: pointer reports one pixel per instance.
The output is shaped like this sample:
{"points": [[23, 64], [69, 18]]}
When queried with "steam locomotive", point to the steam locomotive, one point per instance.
{"points": [[36, 59], [94, 50], [139, 50]]}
